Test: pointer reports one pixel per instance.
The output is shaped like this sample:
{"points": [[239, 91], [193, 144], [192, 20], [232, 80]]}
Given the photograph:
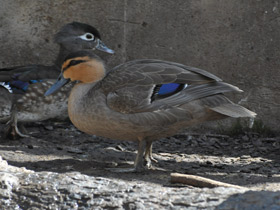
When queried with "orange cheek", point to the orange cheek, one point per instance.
{"points": [[68, 74], [84, 73]]}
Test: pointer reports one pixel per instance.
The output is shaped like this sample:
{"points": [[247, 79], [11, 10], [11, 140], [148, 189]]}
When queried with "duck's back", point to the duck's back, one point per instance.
{"points": [[153, 85], [152, 99], [33, 106]]}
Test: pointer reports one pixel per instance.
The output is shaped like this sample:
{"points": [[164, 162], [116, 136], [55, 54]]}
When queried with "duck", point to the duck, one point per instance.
{"points": [[71, 37], [142, 100], [5, 102], [29, 83]]}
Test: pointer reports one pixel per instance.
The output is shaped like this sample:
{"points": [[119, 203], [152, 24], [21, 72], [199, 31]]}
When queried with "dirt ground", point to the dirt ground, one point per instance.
{"points": [[249, 159]]}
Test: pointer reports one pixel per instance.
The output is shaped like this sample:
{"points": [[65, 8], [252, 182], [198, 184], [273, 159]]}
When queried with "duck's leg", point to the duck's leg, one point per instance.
{"points": [[149, 154], [11, 130], [138, 163]]}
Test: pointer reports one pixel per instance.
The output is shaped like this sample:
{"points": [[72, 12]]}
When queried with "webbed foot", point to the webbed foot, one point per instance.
{"points": [[140, 163], [11, 130]]}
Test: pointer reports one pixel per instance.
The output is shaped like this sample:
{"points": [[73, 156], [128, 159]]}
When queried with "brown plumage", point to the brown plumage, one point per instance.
{"points": [[129, 104]]}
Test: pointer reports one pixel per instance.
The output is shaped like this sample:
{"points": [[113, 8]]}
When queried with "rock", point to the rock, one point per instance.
{"points": [[252, 200], [48, 127], [75, 190], [75, 175], [8, 182], [25, 189]]}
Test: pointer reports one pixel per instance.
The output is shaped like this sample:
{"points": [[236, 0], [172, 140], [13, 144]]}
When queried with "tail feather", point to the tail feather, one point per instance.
{"points": [[30, 72], [233, 110], [8, 74]]}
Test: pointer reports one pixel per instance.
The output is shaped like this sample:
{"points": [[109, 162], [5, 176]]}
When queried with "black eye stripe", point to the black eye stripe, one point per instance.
{"points": [[73, 63]]}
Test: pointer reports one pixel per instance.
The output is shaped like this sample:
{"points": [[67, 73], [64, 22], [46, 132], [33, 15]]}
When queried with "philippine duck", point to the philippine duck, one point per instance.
{"points": [[142, 100]]}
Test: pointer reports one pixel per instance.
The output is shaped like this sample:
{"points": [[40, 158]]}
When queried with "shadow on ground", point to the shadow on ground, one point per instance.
{"points": [[247, 160]]}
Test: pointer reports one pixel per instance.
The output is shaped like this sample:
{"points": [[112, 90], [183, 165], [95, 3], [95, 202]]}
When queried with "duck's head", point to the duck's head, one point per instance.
{"points": [[82, 66], [80, 36]]}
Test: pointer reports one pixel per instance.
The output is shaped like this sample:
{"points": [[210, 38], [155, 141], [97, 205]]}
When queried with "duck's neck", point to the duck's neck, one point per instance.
{"points": [[80, 97], [63, 52]]}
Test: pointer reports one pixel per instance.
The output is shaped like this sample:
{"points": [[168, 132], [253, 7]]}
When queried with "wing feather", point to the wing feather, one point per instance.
{"points": [[129, 86], [31, 72]]}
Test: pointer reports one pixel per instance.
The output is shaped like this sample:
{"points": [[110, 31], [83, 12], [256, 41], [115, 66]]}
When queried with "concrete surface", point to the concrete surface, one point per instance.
{"points": [[236, 40]]}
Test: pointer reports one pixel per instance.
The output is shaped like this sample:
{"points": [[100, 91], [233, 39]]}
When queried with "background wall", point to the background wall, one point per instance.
{"points": [[236, 40]]}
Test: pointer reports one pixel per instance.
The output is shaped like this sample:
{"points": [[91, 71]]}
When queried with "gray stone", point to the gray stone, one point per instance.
{"points": [[25, 189], [8, 182], [252, 200]]}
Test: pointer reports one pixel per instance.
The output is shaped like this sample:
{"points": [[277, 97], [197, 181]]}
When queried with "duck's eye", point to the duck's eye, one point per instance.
{"points": [[87, 37], [74, 62]]}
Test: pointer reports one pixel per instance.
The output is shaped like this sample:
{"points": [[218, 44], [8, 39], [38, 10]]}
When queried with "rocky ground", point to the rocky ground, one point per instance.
{"points": [[62, 168]]}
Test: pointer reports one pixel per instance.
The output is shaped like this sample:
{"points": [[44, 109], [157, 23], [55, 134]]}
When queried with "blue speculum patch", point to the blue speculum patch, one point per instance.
{"points": [[17, 85], [167, 89]]}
